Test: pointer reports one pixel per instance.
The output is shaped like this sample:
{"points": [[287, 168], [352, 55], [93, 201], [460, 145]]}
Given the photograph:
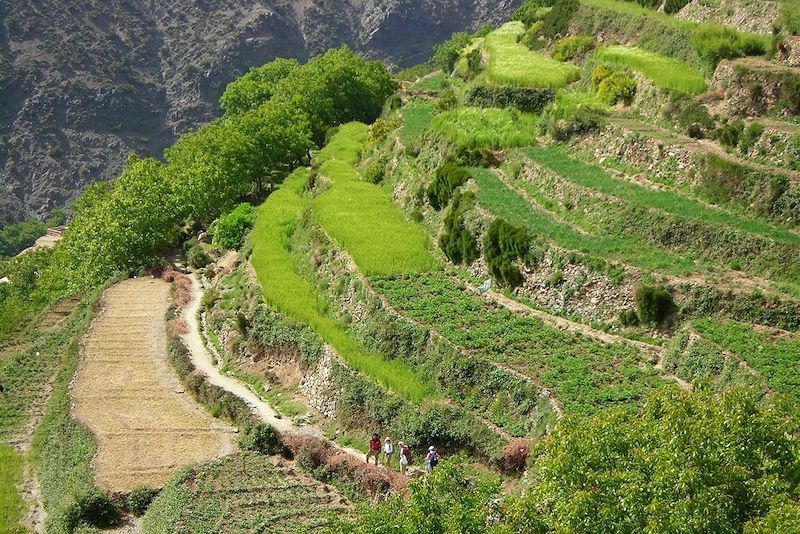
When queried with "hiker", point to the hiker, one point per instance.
{"points": [[432, 459], [405, 457], [388, 450], [374, 448]]}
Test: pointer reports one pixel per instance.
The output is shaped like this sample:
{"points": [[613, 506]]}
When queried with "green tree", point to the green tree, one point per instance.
{"points": [[686, 463], [118, 226], [446, 54], [280, 135], [256, 87], [233, 228]]}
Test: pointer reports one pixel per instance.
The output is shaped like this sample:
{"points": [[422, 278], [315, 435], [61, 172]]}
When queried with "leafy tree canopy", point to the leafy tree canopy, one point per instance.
{"points": [[256, 87]]}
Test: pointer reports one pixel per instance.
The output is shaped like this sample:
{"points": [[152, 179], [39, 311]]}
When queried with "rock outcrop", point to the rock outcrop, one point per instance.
{"points": [[84, 82]]}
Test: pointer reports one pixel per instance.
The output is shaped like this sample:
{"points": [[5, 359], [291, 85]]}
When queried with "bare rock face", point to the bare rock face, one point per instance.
{"points": [[85, 82]]}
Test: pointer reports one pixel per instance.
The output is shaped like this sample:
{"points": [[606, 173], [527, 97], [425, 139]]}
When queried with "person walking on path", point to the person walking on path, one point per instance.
{"points": [[388, 451], [374, 448], [432, 459], [405, 457]]}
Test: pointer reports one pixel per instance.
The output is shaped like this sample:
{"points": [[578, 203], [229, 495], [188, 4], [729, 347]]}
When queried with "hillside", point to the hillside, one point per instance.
{"points": [[563, 254], [84, 83]]}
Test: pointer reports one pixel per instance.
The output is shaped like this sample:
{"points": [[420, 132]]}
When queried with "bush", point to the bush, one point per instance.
{"points": [[374, 172], [628, 318], [715, 43], [728, 134], [457, 242], [447, 100], [691, 116], [750, 137], [571, 47], [93, 509], [617, 87], [197, 257], [261, 437], [449, 177], [583, 120], [139, 500], [556, 21], [673, 6], [232, 228], [532, 11], [528, 99], [504, 245], [653, 304], [446, 54]]}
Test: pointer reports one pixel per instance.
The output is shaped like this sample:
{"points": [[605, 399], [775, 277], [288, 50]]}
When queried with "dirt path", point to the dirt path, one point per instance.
{"points": [[204, 362], [125, 391]]}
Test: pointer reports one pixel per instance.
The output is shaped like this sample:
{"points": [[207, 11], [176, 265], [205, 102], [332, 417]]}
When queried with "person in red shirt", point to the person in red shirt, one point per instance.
{"points": [[374, 448]]}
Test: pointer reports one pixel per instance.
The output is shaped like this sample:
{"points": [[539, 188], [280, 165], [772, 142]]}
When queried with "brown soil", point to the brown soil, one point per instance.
{"points": [[129, 397]]}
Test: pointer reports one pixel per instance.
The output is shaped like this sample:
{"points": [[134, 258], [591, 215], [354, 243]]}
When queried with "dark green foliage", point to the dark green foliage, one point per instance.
{"points": [[528, 99], [572, 47], [446, 54], [16, 237], [531, 11], [789, 99], [93, 509], [750, 137], [628, 318], [256, 87], [715, 43], [728, 134], [457, 242], [691, 116], [374, 172], [474, 62], [583, 120], [197, 257], [139, 500], [449, 177], [653, 304], [673, 6], [261, 437], [504, 246], [556, 21], [447, 100], [232, 228]]}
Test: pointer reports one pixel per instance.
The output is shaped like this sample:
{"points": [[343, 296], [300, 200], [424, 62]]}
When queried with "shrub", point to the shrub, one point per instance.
{"points": [[750, 137], [232, 228], [728, 134], [374, 172], [449, 177], [600, 73], [139, 500], [93, 509], [474, 62], [504, 245], [628, 318], [673, 6], [715, 43], [583, 120], [691, 116], [617, 87], [571, 47], [653, 304], [532, 11], [447, 100], [446, 54], [457, 242], [556, 21], [197, 257], [261, 437], [528, 99]]}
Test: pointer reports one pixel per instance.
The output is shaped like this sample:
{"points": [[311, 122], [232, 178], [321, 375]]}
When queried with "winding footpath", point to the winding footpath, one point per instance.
{"points": [[204, 362]]}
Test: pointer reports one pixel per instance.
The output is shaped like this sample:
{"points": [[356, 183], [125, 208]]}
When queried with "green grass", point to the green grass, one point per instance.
{"points": [[494, 128], [246, 492], [585, 374], [496, 197], [417, 116], [511, 63], [435, 83], [776, 358], [594, 177], [285, 290], [12, 507], [664, 72], [568, 102], [362, 218]]}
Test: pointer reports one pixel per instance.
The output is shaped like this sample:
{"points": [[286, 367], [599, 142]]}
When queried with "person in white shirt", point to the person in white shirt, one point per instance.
{"points": [[388, 450]]}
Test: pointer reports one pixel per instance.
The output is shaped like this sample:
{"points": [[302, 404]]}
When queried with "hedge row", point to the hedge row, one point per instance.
{"points": [[528, 99]]}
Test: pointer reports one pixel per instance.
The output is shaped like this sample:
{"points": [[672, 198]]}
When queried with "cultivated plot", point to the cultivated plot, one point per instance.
{"points": [[145, 426]]}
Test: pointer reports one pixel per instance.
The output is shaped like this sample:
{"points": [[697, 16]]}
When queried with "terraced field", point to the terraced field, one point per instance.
{"points": [[247, 492], [145, 426], [664, 72]]}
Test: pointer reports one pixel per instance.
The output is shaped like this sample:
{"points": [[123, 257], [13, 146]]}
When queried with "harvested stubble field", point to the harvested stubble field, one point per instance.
{"points": [[126, 393]]}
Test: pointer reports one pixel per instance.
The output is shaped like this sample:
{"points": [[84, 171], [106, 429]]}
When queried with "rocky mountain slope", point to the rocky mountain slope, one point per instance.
{"points": [[85, 82]]}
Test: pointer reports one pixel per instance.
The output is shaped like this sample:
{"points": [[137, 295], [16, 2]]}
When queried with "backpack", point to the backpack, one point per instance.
{"points": [[434, 460]]}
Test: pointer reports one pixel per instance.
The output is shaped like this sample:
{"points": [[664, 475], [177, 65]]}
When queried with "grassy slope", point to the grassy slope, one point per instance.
{"points": [[664, 72], [584, 374], [492, 128], [496, 197], [362, 219], [246, 492], [12, 507], [511, 63], [417, 117], [289, 293], [596, 178]]}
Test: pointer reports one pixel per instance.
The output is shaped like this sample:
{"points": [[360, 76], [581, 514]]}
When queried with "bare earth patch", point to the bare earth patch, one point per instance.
{"points": [[129, 397]]}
